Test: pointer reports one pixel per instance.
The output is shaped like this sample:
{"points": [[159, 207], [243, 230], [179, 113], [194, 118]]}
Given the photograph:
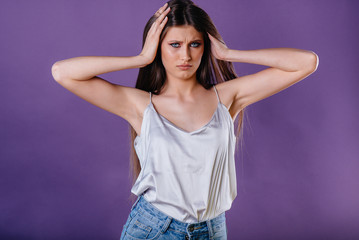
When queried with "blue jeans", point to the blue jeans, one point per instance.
{"points": [[145, 221]]}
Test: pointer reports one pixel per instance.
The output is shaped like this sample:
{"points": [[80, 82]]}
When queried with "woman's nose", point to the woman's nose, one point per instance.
{"points": [[186, 54]]}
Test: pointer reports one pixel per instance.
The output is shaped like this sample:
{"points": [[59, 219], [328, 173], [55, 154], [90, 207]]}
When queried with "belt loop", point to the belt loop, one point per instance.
{"points": [[138, 198], [167, 224], [210, 229]]}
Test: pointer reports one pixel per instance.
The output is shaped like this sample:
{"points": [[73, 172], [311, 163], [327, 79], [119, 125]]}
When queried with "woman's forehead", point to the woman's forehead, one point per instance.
{"points": [[184, 32]]}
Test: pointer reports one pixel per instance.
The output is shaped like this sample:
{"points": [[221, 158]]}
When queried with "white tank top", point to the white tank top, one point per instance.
{"points": [[189, 176]]}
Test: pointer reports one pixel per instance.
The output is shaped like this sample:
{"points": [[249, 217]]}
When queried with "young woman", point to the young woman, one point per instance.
{"points": [[181, 113]]}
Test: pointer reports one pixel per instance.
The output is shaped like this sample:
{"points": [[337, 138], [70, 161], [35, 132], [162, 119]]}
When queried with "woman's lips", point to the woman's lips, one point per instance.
{"points": [[184, 67]]}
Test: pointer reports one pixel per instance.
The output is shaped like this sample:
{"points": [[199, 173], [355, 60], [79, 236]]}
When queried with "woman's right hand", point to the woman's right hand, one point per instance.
{"points": [[149, 50]]}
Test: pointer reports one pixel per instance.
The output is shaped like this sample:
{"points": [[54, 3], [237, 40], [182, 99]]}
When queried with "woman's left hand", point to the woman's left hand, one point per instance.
{"points": [[219, 49]]}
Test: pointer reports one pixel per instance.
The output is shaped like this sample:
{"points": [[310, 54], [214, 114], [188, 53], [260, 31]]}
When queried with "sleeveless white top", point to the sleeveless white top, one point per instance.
{"points": [[190, 176]]}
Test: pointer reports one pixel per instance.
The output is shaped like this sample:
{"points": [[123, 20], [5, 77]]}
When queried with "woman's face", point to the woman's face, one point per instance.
{"points": [[181, 51]]}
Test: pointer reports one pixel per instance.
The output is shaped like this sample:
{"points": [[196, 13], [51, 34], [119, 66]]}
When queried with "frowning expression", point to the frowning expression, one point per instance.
{"points": [[181, 51]]}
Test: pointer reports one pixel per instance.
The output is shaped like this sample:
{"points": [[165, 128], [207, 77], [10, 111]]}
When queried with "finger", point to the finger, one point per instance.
{"points": [[210, 37], [163, 7], [160, 10], [163, 15], [213, 39], [163, 23], [165, 12]]}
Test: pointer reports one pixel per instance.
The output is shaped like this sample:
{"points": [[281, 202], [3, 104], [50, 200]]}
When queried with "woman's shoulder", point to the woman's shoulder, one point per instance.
{"points": [[226, 92]]}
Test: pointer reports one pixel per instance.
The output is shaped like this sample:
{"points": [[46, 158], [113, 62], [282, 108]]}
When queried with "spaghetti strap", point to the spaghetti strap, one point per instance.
{"points": [[150, 97], [216, 93]]}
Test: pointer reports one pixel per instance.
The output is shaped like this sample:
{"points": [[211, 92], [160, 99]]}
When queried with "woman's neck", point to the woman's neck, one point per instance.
{"points": [[177, 87]]}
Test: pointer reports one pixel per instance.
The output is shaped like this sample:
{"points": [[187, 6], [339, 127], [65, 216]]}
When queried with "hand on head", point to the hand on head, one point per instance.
{"points": [[218, 48], [153, 36]]}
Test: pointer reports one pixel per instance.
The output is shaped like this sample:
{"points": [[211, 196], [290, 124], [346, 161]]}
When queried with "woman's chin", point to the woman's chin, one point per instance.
{"points": [[186, 75]]}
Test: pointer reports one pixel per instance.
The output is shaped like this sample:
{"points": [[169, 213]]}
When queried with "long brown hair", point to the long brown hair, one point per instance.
{"points": [[211, 71]]}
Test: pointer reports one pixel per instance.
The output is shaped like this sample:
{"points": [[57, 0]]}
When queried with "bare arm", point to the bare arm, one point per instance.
{"points": [[85, 68], [287, 66], [286, 59], [79, 76]]}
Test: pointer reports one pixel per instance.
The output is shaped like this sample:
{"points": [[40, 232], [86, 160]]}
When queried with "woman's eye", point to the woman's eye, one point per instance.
{"points": [[176, 45], [195, 44]]}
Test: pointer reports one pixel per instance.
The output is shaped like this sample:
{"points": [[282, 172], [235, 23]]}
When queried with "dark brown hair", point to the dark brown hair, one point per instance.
{"points": [[211, 71]]}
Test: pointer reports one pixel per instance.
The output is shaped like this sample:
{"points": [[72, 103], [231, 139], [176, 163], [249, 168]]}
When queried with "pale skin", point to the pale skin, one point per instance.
{"points": [[183, 101]]}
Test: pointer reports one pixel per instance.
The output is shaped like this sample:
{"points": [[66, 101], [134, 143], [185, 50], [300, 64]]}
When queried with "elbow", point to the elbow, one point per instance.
{"points": [[308, 62], [313, 62], [55, 71]]}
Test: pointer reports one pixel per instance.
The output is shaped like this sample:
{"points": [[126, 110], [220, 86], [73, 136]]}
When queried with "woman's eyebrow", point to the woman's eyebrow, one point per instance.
{"points": [[196, 40]]}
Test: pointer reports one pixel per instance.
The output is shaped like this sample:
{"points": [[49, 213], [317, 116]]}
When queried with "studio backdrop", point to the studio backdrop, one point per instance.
{"points": [[64, 163]]}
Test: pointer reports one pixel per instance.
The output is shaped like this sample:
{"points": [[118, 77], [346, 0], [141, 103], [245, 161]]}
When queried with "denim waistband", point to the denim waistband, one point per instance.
{"points": [[182, 226]]}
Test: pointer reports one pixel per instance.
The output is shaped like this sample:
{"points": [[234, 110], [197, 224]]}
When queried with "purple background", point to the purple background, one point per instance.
{"points": [[64, 162]]}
